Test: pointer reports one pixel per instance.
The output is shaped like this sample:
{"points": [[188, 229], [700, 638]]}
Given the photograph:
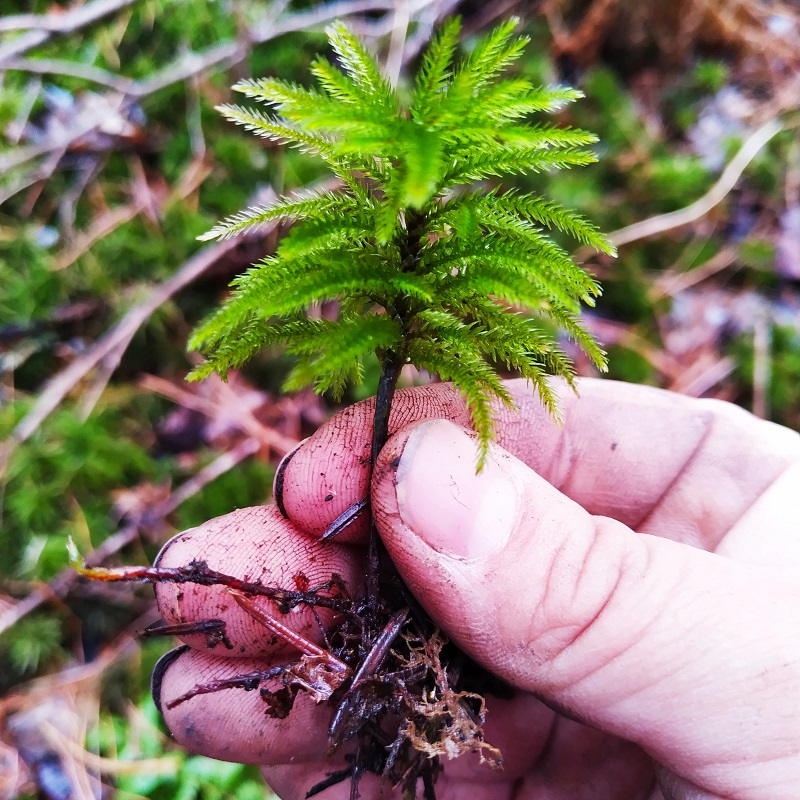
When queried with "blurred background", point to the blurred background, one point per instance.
{"points": [[113, 161]]}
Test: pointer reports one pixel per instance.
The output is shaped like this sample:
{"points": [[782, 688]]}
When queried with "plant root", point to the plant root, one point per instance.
{"points": [[395, 684]]}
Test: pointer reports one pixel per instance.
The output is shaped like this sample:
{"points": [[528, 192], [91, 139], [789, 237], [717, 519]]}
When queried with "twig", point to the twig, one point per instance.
{"points": [[105, 369], [727, 180], [194, 174], [244, 420], [124, 646], [86, 124], [762, 372], [703, 375], [85, 72], [63, 382], [218, 467], [61, 585], [618, 333], [15, 129], [670, 283], [103, 224], [43, 27], [394, 61], [426, 21], [69, 748]]}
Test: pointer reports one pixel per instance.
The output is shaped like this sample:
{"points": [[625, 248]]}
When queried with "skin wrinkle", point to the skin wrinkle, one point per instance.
{"points": [[734, 530], [676, 788], [736, 429], [550, 742], [561, 455], [676, 478], [621, 578], [611, 657], [571, 643]]}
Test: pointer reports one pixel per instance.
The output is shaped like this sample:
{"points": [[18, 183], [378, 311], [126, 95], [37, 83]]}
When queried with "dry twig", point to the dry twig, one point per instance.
{"points": [[727, 180], [62, 384], [43, 27]]}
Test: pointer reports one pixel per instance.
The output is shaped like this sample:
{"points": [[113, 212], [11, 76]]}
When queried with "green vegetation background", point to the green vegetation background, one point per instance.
{"points": [[96, 463]]}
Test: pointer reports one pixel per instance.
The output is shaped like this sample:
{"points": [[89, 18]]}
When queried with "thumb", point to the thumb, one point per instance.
{"points": [[690, 655]]}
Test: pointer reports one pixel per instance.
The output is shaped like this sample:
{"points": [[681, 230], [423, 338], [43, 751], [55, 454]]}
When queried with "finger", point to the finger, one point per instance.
{"points": [[610, 625], [768, 532], [330, 472], [662, 463], [232, 724], [258, 545], [657, 461]]}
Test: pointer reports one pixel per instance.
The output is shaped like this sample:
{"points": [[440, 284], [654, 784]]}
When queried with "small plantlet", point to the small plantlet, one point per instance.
{"points": [[429, 263], [424, 264]]}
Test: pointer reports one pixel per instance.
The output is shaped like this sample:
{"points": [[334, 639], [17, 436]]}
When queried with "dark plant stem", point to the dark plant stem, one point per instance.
{"points": [[391, 365], [390, 371]]}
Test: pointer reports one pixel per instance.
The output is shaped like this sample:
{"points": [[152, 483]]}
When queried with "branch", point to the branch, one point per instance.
{"points": [[59, 386], [727, 180], [212, 408], [43, 27], [85, 72]]}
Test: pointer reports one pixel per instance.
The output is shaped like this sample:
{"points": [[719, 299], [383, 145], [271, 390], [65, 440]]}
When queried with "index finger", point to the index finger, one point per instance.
{"points": [[659, 462]]}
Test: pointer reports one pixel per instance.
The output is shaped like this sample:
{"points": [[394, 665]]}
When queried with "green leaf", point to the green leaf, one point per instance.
{"points": [[360, 64], [273, 128], [304, 205], [434, 74], [422, 165], [336, 354]]}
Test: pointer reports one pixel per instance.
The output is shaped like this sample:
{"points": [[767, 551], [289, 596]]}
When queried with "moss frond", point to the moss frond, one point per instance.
{"points": [[275, 129], [360, 64], [332, 357]]}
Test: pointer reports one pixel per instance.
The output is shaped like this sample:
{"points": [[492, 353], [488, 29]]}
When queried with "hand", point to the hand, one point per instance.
{"points": [[660, 663]]}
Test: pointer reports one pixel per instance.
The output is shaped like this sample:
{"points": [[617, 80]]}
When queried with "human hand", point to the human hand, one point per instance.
{"points": [[671, 654]]}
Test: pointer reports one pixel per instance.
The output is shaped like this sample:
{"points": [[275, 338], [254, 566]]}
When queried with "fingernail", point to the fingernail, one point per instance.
{"points": [[277, 485], [160, 669], [442, 499], [166, 546]]}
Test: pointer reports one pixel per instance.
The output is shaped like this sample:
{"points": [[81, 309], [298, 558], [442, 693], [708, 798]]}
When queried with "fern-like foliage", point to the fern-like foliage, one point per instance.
{"points": [[426, 265]]}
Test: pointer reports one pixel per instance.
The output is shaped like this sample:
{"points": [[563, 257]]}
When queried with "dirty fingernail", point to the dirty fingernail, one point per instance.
{"points": [[280, 473], [166, 546], [442, 499], [160, 669]]}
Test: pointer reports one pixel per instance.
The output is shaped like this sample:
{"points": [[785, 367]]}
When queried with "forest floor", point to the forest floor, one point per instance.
{"points": [[113, 161]]}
